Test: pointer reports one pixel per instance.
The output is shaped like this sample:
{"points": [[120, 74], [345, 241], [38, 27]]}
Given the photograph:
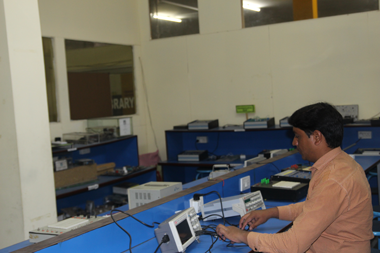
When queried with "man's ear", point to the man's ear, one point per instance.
{"points": [[318, 137]]}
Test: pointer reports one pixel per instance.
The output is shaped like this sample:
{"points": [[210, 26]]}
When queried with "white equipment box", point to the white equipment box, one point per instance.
{"points": [[232, 206], [273, 153], [60, 227], [254, 160], [218, 170], [148, 192]]}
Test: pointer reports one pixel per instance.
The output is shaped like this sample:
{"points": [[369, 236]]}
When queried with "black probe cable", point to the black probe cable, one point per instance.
{"points": [[212, 234], [150, 226], [220, 217], [213, 241], [164, 239], [129, 215], [197, 195], [130, 237]]}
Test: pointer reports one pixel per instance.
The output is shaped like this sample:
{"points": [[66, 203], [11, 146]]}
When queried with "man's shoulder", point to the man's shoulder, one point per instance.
{"points": [[343, 163], [346, 171]]}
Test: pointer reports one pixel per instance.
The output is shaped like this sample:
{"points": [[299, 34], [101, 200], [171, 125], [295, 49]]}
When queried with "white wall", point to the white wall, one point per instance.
{"points": [[278, 68], [111, 21], [223, 17]]}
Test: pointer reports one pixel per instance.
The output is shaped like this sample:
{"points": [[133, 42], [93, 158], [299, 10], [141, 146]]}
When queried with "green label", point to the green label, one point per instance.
{"points": [[245, 108]]}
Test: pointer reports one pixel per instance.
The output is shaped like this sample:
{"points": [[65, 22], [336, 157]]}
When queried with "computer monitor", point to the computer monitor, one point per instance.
{"points": [[181, 229]]}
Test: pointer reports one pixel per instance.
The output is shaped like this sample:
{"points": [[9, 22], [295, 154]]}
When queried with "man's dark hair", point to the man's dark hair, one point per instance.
{"points": [[323, 117]]}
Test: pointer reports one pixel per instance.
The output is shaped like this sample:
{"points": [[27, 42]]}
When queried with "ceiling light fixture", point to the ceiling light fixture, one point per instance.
{"points": [[167, 18], [251, 7]]}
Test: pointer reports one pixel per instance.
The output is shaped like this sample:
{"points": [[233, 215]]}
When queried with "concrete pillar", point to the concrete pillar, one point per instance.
{"points": [[27, 195]]}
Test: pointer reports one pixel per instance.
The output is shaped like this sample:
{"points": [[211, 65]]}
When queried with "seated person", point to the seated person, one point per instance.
{"points": [[337, 213]]}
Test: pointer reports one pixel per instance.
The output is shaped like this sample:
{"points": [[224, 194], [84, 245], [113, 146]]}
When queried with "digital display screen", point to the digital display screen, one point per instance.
{"points": [[184, 231]]}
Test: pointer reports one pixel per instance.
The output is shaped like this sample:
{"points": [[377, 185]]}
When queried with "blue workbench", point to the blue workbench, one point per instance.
{"points": [[110, 238]]}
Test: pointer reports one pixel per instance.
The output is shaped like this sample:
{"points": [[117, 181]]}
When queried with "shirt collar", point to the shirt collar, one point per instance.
{"points": [[326, 158]]}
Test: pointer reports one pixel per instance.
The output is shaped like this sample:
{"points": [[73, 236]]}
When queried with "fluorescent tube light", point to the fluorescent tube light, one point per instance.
{"points": [[251, 7], [167, 18]]}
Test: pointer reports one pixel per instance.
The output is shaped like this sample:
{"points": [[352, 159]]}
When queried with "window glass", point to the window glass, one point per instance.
{"points": [[100, 79], [264, 12], [328, 8], [47, 45], [258, 13], [169, 18]]}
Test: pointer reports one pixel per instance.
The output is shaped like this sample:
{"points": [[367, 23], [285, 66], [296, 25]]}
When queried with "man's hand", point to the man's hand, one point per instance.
{"points": [[257, 217], [234, 234]]}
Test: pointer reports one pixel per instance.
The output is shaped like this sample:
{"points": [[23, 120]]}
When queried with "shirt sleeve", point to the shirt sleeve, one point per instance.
{"points": [[290, 212], [327, 201]]}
